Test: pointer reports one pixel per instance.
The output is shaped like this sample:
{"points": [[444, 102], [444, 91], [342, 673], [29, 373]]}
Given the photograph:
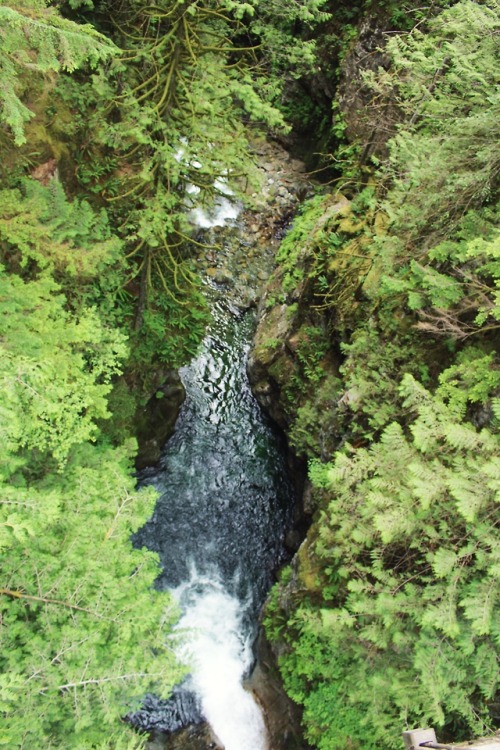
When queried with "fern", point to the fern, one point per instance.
{"points": [[495, 405], [480, 604], [462, 437], [408, 535]]}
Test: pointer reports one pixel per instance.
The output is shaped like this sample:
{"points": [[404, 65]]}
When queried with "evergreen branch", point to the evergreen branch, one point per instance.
{"points": [[126, 500], [156, 12], [134, 189], [166, 287], [168, 82], [135, 250], [103, 680], [203, 245], [188, 41], [45, 600]]}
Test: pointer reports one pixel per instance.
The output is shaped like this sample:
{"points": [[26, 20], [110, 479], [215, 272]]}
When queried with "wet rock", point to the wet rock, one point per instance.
{"points": [[198, 737], [293, 540], [234, 265], [309, 504], [247, 298], [156, 421], [274, 360], [182, 709], [282, 715], [270, 367], [224, 276], [297, 166]]}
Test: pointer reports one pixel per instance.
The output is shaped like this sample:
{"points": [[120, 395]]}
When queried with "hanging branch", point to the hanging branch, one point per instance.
{"points": [[46, 600]]}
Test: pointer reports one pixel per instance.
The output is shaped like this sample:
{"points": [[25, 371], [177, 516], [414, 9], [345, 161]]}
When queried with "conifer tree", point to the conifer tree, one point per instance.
{"points": [[84, 634], [406, 628], [36, 40]]}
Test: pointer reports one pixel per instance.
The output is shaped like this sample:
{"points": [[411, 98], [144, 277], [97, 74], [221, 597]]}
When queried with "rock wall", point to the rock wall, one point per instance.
{"points": [[155, 422], [368, 123], [287, 320], [281, 714], [276, 360]]}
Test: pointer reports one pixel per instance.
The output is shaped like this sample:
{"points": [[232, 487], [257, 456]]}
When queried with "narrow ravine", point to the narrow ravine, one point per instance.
{"points": [[219, 526], [225, 494]]}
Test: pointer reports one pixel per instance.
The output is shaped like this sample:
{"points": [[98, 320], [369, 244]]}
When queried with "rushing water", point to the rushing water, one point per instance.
{"points": [[219, 526]]}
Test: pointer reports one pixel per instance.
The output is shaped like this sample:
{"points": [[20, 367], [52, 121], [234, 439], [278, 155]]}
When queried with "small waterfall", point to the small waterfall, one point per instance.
{"points": [[223, 211], [215, 642], [219, 528]]}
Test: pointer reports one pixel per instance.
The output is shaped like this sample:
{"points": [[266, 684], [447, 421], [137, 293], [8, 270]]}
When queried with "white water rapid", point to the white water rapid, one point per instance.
{"points": [[224, 209], [218, 527], [212, 642]]}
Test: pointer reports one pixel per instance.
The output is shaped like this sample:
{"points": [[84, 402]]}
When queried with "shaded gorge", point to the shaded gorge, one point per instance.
{"points": [[218, 527]]}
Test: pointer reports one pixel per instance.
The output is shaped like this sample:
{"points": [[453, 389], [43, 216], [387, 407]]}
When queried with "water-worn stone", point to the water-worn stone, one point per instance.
{"points": [[182, 709], [198, 737], [235, 265], [224, 276], [282, 715], [155, 422]]}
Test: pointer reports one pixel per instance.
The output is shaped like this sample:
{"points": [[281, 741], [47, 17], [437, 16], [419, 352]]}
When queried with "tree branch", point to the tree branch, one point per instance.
{"points": [[45, 600]]}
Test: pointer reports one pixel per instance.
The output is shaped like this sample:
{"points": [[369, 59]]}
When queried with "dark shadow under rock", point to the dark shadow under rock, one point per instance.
{"points": [[156, 421], [198, 737]]}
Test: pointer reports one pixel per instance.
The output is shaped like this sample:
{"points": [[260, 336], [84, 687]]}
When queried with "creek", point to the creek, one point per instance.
{"points": [[218, 527]]}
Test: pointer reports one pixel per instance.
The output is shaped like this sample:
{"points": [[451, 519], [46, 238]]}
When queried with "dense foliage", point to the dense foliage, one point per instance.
{"points": [[82, 630], [107, 139], [114, 119], [390, 611]]}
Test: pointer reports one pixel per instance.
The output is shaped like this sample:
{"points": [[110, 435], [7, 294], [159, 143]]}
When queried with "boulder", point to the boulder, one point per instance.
{"points": [[199, 737]]}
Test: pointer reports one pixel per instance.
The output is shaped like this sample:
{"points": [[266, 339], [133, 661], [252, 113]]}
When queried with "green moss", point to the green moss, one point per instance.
{"points": [[283, 370]]}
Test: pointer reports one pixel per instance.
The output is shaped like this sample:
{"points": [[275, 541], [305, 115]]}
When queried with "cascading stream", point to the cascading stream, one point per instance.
{"points": [[219, 526]]}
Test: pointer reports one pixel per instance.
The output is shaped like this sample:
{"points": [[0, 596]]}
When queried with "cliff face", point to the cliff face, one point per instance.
{"points": [[296, 355], [294, 361], [290, 307], [368, 122]]}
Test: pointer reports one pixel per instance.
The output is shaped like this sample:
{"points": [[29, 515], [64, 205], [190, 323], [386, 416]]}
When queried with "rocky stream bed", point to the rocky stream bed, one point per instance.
{"points": [[236, 265]]}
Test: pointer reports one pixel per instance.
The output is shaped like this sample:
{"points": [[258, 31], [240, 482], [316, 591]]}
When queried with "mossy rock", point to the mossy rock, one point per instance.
{"points": [[282, 370], [308, 568], [155, 422], [348, 225]]}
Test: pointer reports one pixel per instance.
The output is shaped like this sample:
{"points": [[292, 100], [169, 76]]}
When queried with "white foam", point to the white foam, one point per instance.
{"points": [[212, 641], [224, 210]]}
